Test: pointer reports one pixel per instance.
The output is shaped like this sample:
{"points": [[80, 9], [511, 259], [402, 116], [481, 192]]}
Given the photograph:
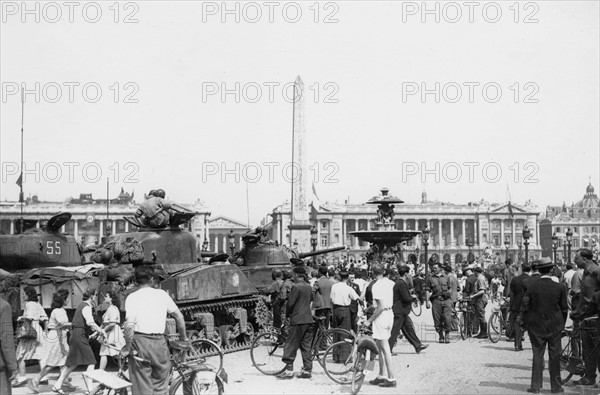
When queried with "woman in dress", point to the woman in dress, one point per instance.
{"points": [[30, 348], [80, 352], [55, 349], [111, 324]]}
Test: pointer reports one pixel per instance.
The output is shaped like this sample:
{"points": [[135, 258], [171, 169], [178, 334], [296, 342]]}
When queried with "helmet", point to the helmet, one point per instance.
{"points": [[152, 192], [106, 256], [160, 193]]}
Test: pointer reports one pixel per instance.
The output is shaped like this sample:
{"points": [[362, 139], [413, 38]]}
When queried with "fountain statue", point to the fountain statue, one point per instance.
{"points": [[385, 239]]}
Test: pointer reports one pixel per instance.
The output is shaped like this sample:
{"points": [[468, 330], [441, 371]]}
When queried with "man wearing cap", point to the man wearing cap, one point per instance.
{"points": [[297, 262], [516, 298], [479, 299], [546, 309], [274, 291], [587, 308], [438, 299], [301, 324]]}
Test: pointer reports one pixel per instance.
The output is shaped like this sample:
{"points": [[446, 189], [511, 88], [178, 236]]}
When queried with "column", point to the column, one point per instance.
{"points": [[355, 241], [114, 226], [343, 232], [76, 230], [126, 226], [514, 238], [404, 224], [101, 230], [452, 243], [464, 232], [441, 243], [501, 232], [12, 226], [277, 235], [224, 244]]}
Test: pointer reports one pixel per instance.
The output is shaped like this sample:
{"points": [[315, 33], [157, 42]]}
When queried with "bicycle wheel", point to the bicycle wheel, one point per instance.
{"points": [[461, 326], [495, 327], [266, 354], [326, 339], [569, 364], [196, 383], [416, 307], [337, 366], [207, 353], [358, 374]]}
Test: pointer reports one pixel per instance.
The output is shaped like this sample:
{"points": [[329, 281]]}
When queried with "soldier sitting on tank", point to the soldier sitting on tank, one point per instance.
{"points": [[154, 211]]}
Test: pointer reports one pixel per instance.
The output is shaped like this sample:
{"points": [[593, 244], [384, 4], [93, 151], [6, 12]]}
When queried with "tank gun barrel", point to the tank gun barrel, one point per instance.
{"points": [[208, 254], [303, 255]]}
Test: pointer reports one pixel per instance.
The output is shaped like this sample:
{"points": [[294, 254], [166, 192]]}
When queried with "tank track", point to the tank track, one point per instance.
{"points": [[256, 302]]}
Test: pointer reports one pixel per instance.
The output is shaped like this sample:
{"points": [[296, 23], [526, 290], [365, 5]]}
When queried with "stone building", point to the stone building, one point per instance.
{"points": [[453, 227], [221, 229], [583, 218], [91, 218]]}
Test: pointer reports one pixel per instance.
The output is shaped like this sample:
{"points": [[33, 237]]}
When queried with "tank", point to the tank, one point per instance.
{"points": [[29, 258], [260, 256], [40, 247], [218, 301]]}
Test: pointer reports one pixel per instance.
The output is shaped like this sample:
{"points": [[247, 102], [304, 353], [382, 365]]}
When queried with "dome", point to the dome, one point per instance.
{"points": [[590, 199], [589, 189]]}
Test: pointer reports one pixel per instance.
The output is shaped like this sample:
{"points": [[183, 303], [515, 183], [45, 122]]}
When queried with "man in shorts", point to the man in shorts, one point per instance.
{"points": [[382, 320]]}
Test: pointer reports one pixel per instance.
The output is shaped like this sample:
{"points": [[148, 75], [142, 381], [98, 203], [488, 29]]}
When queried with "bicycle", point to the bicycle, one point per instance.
{"points": [[571, 359], [266, 350], [350, 369], [466, 322], [497, 323], [416, 306], [197, 373]]}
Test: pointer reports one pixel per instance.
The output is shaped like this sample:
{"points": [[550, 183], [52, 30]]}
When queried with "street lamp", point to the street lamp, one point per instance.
{"points": [[470, 257], [295, 244], [426, 244], [231, 238], [554, 245], [526, 236], [205, 245], [313, 238], [569, 237]]}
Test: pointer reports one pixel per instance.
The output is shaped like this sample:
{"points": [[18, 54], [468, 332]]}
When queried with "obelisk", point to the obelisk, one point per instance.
{"points": [[300, 225]]}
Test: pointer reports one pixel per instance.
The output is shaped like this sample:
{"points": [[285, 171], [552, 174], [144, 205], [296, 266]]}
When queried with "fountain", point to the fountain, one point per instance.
{"points": [[385, 238]]}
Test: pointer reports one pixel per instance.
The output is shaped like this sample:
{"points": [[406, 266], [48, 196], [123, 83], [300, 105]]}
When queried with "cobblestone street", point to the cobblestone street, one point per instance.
{"points": [[462, 367]]}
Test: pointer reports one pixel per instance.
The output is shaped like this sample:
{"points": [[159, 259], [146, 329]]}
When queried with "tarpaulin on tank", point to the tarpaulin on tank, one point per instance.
{"points": [[59, 274]]}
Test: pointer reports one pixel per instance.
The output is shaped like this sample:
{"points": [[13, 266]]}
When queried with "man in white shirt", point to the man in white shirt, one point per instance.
{"points": [[382, 320], [146, 316]]}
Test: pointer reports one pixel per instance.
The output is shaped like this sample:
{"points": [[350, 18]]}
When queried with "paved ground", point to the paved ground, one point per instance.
{"points": [[465, 367]]}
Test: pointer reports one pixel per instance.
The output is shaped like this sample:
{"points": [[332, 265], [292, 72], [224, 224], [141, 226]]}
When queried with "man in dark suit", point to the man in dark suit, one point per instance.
{"points": [[516, 298], [8, 358], [353, 303], [545, 305], [322, 296], [301, 324], [401, 308]]}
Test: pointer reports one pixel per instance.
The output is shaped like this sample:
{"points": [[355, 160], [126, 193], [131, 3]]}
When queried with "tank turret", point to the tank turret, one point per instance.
{"points": [[258, 258]]}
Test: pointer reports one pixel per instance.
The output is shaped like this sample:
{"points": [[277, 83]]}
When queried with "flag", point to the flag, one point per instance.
{"points": [[20, 180], [315, 204]]}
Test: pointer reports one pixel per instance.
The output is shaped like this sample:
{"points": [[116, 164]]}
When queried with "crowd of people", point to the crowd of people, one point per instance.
{"points": [[57, 343]]}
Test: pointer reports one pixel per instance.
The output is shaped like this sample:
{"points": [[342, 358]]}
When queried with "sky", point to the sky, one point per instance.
{"points": [[499, 101]]}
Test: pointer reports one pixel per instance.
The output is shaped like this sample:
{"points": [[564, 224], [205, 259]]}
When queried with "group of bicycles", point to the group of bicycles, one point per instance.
{"points": [[343, 355]]}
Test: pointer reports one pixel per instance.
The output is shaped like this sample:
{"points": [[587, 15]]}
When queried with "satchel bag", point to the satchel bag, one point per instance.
{"points": [[26, 331]]}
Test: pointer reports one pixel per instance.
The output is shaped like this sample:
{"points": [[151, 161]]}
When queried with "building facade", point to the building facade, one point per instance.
{"points": [[91, 219], [582, 218], [453, 227], [221, 230]]}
